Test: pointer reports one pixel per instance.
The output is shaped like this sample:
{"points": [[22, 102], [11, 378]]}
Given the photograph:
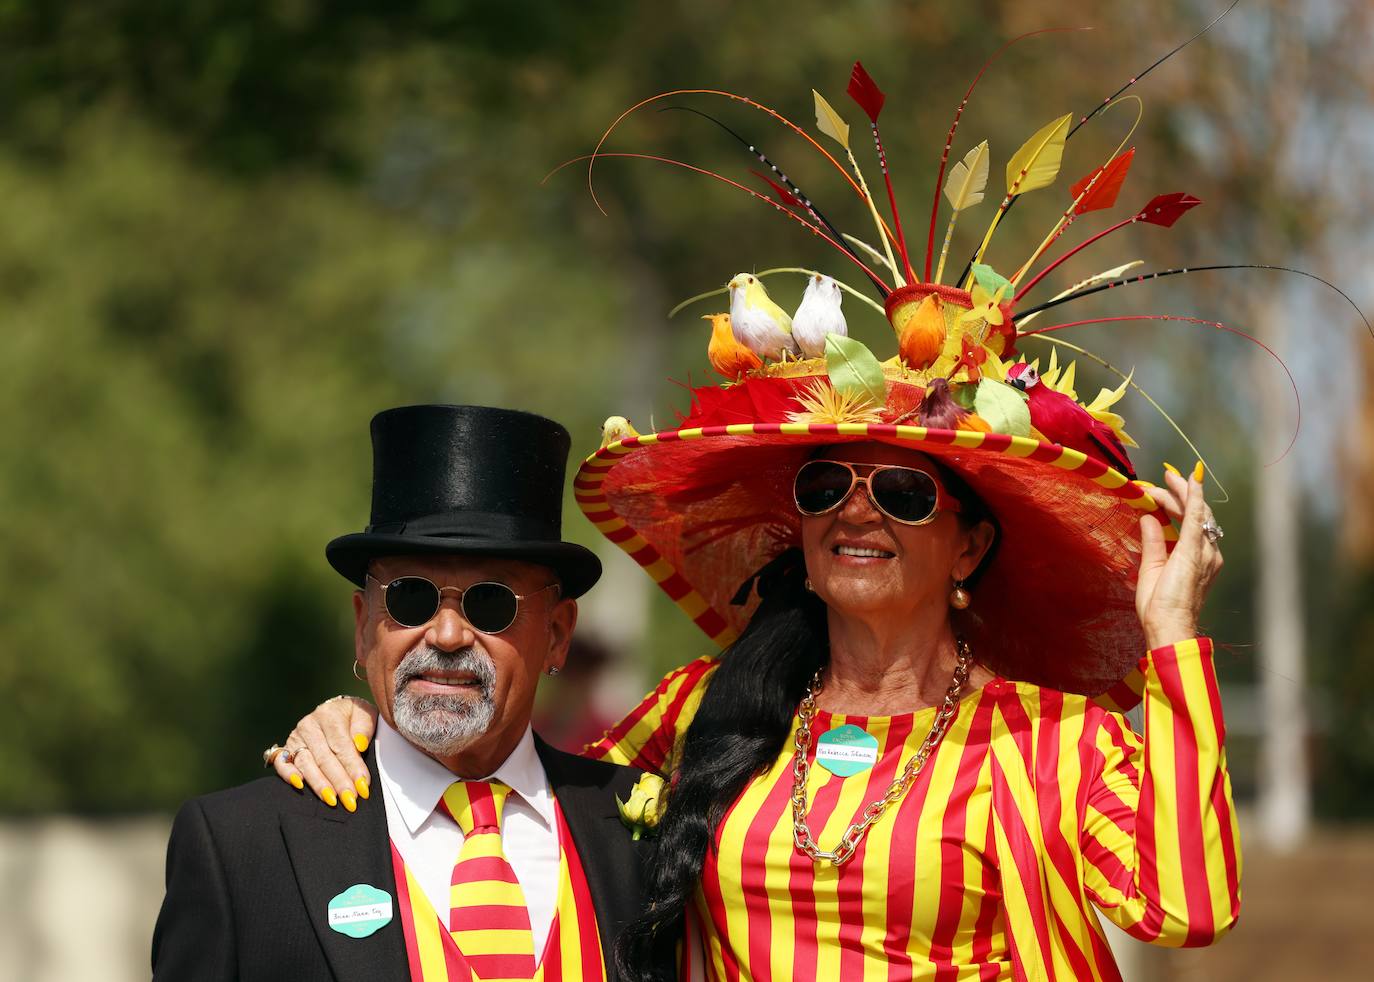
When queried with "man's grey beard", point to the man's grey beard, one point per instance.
{"points": [[444, 725]]}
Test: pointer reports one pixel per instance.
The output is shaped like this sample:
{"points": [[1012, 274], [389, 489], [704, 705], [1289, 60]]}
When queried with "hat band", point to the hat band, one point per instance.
{"points": [[469, 525]]}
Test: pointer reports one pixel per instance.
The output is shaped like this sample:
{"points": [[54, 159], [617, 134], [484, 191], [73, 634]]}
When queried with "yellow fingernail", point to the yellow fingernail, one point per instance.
{"points": [[296, 782], [360, 742], [1198, 472], [350, 802], [330, 798], [1172, 469], [363, 791]]}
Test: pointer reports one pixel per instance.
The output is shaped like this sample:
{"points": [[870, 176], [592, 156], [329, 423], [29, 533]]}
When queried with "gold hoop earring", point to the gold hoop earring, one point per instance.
{"points": [[959, 598], [356, 666]]}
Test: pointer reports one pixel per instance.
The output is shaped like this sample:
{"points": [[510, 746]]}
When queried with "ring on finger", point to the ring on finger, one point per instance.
{"points": [[291, 755], [270, 755], [1213, 531]]}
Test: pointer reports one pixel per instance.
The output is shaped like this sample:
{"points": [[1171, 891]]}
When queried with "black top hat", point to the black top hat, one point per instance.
{"points": [[468, 480]]}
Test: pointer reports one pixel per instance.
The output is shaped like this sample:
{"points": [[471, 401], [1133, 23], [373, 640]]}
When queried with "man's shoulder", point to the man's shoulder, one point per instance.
{"points": [[563, 768], [257, 804]]}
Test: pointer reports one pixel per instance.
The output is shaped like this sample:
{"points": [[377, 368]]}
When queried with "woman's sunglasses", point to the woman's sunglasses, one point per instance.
{"points": [[907, 495], [490, 607]]}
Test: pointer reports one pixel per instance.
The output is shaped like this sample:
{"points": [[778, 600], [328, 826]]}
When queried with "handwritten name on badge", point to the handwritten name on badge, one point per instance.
{"points": [[359, 911], [846, 750]]}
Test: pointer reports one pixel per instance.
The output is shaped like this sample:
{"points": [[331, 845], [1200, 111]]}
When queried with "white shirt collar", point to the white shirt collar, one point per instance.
{"points": [[415, 781]]}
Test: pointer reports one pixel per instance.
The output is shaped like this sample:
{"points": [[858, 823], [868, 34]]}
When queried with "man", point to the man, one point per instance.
{"points": [[481, 853]]}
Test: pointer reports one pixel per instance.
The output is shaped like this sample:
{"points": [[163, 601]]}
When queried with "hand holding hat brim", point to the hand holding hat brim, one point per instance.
{"points": [[1172, 585]]}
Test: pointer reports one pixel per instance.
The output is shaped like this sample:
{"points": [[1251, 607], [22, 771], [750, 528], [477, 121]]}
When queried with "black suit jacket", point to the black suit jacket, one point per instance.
{"points": [[251, 871]]}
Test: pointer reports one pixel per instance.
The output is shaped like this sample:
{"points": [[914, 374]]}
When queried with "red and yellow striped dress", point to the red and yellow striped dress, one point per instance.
{"points": [[1037, 807]]}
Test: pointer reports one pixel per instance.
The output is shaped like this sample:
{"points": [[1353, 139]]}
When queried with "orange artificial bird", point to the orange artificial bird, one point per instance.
{"points": [[921, 334], [727, 356]]}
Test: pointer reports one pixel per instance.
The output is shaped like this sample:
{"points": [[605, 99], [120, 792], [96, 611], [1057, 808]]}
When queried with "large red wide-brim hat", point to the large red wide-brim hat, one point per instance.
{"points": [[702, 507]]}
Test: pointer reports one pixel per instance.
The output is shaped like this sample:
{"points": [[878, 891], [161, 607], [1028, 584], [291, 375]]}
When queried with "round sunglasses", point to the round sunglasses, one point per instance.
{"points": [[490, 607], [907, 495]]}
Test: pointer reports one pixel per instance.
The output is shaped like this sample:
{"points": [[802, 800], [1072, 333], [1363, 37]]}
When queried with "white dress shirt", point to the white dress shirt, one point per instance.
{"points": [[428, 840]]}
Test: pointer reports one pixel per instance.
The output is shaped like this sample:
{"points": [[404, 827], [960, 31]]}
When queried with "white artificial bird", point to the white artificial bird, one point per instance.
{"points": [[818, 316], [757, 322]]}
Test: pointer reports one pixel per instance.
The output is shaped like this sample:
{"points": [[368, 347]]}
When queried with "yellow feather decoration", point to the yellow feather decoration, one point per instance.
{"points": [[832, 125], [1036, 164], [1060, 381], [1031, 168], [968, 179], [829, 122], [1100, 410], [1068, 215], [965, 187]]}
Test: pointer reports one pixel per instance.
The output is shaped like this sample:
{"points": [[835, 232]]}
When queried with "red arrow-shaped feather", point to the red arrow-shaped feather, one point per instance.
{"points": [[1106, 185], [1167, 208], [863, 90], [783, 195], [1163, 210]]}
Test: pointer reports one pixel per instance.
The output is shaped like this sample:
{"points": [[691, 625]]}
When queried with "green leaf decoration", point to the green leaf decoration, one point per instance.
{"points": [[854, 370], [991, 280], [1004, 407], [963, 394]]}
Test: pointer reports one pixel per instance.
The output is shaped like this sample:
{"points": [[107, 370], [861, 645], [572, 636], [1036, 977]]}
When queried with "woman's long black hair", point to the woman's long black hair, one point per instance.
{"points": [[739, 728], [743, 719]]}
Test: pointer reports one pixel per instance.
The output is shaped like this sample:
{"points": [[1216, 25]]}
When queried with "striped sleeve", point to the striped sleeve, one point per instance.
{"points": [[647, 738], [1158, 833]]}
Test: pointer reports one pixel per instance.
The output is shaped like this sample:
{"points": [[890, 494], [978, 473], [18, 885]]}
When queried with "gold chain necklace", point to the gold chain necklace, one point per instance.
{"points": [[801, 767]]}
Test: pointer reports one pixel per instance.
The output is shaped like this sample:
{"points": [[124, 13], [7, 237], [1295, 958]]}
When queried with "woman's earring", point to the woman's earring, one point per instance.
{"points": [[553, 670], [959, 598], [356, 666], [809, 587]]}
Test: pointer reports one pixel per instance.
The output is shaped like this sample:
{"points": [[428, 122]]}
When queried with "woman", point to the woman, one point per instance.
{"points": [[1033, 805]]}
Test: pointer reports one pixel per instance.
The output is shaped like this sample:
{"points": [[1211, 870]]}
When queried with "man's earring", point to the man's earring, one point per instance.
{"points": [[809, 587], [553, 670], [356, 666], [959, 598]]}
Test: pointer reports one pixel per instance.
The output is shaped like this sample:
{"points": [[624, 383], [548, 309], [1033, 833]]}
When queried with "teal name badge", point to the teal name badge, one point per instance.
{"points": [[360, 910], [846, 750]]}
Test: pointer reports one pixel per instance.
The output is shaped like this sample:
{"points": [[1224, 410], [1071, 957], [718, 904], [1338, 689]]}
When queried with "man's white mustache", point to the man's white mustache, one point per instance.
{"points": [[427, 660]]}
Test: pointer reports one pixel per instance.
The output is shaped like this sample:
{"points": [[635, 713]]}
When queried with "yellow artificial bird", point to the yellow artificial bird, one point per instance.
{"points": [[727, 356], [758, 323], [615, 429]]}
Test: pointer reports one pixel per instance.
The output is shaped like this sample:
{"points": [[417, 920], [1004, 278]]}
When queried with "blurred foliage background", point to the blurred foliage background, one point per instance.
{"points": [[234, 230]]}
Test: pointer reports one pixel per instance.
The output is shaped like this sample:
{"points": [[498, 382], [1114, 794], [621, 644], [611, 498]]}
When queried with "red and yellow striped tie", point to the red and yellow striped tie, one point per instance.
{"points": [[487, 917]]}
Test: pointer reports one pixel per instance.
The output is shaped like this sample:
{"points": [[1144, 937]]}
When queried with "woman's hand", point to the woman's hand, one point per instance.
{"points": [[1172, 585], [326, 748]]}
